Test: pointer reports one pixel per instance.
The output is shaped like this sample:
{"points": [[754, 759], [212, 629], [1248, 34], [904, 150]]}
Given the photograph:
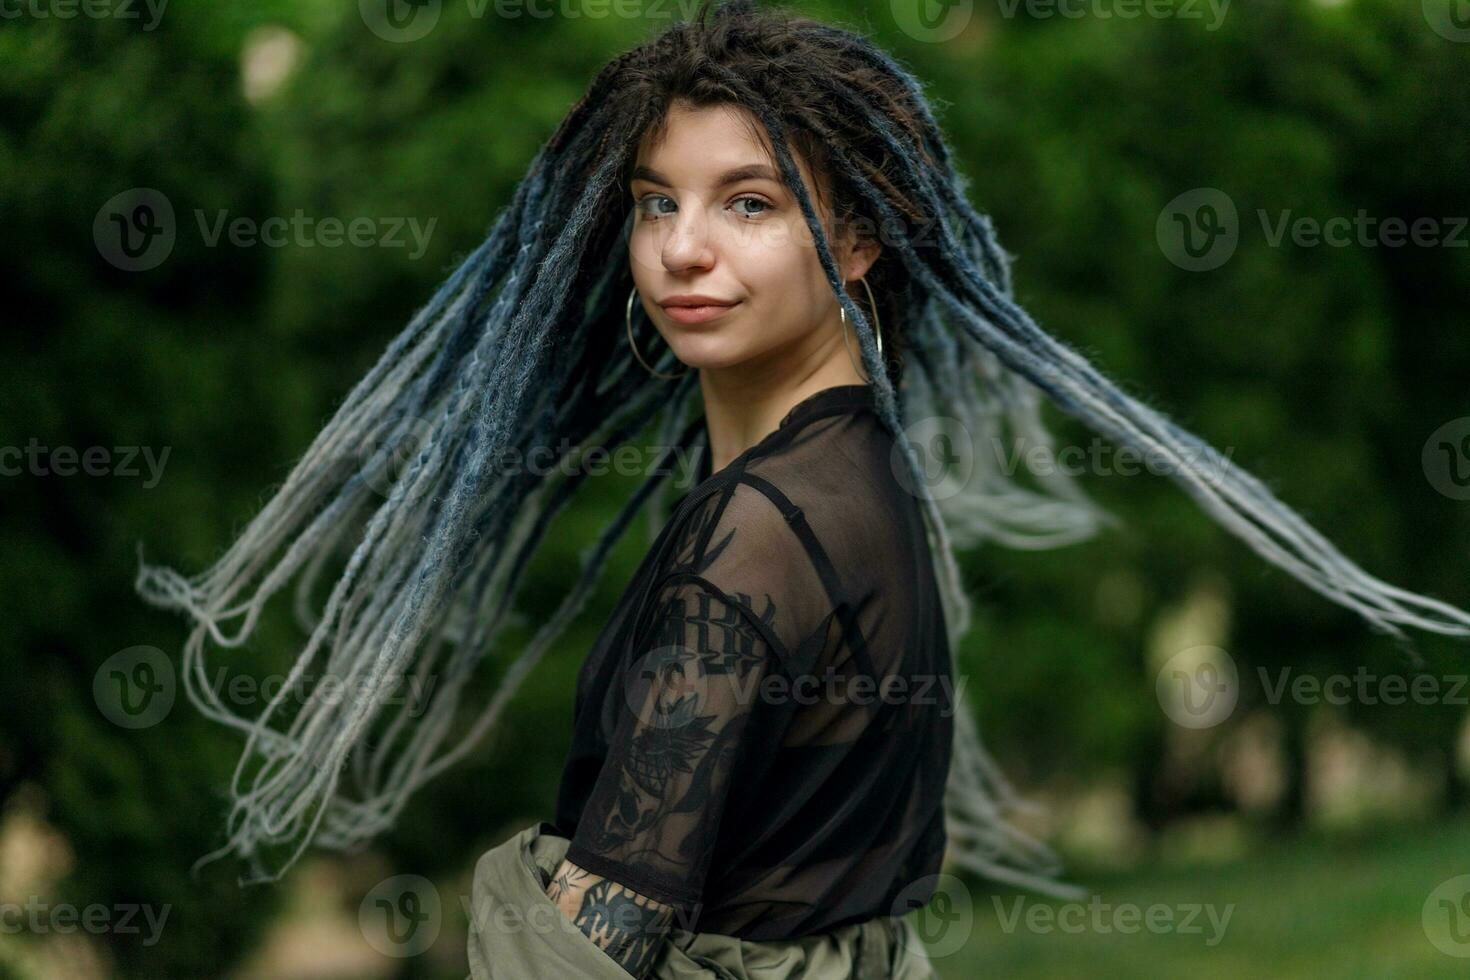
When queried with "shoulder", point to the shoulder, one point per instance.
{"points": [[739, 538], [838, 486], [740, 550], [842, 463]]}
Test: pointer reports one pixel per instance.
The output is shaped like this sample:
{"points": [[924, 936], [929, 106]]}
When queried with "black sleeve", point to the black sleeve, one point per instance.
{"points": [[651, 820]]}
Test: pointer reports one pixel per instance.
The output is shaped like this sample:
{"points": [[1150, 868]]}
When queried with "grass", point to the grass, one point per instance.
{"points": [[1346, 908]]}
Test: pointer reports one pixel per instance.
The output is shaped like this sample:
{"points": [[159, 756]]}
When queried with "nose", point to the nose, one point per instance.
{"points": [[688, 244]]}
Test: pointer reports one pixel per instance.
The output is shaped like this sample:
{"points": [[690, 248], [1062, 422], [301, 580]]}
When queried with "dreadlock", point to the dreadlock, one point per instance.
{"points": [[506, 358]]}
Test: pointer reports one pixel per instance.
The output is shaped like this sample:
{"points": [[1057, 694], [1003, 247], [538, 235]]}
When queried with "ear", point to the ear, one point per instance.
{"points": [[860, 259]]}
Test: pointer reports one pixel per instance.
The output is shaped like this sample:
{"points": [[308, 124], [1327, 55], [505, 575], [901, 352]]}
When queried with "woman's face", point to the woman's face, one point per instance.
{"points": [[712, 219]]}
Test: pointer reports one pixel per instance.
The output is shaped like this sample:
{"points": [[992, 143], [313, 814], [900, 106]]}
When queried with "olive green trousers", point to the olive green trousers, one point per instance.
{"points": [[517, 933]]}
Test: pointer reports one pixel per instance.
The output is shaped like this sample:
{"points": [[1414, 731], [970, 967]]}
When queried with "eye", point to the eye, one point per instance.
{"points": [[765, 205], [644, 202]]}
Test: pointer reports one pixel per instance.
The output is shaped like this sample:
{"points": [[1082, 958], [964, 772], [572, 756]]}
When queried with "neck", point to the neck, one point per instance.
{"points": [[746, 402]]}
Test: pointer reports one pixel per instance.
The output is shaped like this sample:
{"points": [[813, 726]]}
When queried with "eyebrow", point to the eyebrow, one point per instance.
{"points": [[750, 171]]}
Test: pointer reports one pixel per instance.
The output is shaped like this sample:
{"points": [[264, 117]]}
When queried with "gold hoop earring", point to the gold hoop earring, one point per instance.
{"points": [[633, 344], [877, 328]]}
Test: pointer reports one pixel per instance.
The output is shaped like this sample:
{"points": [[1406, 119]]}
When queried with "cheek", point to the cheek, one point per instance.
{"points": [[644, 259], [785, 278]]}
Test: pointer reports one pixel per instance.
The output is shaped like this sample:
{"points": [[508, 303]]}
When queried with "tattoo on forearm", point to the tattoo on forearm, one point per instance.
{"points": [[626, 925], [568, 879]]}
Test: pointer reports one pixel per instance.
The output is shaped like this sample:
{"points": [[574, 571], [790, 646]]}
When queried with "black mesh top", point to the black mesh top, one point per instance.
{"points": [[762, 731]]}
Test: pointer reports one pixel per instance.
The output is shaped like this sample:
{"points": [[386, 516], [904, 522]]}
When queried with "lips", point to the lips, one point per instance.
{"points": [[697, 308]]}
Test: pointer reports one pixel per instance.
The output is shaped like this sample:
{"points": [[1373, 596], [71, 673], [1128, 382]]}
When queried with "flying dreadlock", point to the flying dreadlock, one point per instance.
{"points": [[521, 349]]}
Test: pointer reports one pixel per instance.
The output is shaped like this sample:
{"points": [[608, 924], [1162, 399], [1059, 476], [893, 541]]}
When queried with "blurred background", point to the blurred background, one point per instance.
{"points": [[1251, 214]]}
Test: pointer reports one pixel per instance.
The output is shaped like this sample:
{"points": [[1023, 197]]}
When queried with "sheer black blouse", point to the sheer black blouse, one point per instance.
{"points": [[761, 733]]}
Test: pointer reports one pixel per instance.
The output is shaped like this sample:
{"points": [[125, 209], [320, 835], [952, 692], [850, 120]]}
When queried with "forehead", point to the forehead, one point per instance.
{"points": [[718, 125], [699, 143]]}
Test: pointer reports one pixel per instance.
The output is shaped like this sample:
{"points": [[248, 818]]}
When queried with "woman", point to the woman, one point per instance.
{"points": [[802, 262], [801, 559]]}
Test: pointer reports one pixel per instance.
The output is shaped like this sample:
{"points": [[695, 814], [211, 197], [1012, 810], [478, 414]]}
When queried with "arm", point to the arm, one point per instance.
{"points": [[650, 824], [626, 925]]}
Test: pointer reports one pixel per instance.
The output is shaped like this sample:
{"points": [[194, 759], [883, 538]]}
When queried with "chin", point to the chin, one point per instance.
{"points": [[709, 351]]}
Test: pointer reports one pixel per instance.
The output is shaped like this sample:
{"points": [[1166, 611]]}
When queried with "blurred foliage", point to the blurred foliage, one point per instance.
{"points": [[1323, 370]]}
